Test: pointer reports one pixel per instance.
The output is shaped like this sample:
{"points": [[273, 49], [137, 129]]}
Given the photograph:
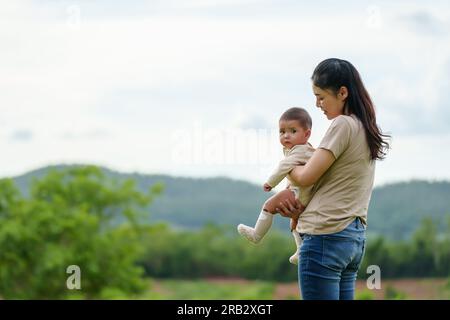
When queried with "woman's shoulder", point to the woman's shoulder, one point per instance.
{"points": [[347, 119], [350, 121], [341, 133]]}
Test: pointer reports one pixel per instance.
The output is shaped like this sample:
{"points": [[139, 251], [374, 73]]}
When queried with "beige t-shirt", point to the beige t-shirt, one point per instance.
{"points": [[344, 190], [296, 156]]}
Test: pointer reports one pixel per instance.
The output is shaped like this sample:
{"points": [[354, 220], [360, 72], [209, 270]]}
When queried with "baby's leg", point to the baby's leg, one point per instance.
{"points": [[271, 206], [274, 202], [265, 218], [298, 242]]}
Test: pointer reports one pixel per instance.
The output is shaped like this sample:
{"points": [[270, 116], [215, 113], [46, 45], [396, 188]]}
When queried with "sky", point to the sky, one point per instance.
{"points": [[195, 88]]}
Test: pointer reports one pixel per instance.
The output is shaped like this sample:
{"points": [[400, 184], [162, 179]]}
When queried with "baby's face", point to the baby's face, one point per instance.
{"points": [[292, 134]]}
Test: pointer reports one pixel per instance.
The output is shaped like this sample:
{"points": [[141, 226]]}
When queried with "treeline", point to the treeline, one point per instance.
{"points": [[219, 251], [68, 218], [216, 251], [426, 254]]}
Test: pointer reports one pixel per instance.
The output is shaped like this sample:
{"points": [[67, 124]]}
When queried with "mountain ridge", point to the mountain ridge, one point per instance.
{"points": [[395, 211]]}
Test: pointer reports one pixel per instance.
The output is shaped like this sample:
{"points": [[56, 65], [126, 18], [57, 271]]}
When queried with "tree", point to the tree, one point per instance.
{"points": [[68, 219]]}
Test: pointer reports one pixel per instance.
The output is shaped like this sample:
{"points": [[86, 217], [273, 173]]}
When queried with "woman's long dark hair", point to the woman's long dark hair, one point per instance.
{"points": [[332, 74]]}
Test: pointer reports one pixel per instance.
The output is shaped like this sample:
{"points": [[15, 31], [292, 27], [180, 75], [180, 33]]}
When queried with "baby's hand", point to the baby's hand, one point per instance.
{"points": [[267, 188]]}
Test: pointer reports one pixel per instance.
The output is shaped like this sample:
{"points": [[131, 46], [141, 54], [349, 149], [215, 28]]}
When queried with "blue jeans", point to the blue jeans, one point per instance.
{"points": [[329, 263]]}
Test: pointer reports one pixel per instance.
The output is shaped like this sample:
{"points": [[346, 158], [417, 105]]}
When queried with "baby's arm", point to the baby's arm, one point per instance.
{"points": [[285, 166]]}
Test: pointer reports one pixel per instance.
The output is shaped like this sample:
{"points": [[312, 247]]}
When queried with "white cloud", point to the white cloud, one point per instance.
{"points": [[111, 89]]}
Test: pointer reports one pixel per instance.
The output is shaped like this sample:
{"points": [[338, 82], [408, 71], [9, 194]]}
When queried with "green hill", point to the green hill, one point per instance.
{"points": [[395, 210]]}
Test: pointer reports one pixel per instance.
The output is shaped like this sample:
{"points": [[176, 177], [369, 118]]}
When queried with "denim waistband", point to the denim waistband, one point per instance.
{"points": [[355, 229]]}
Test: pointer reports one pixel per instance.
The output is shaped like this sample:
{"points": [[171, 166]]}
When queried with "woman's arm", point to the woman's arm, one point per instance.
{"points": [[310, 173], [306, 176]]}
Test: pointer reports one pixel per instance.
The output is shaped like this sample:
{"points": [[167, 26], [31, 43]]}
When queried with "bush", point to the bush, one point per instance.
{"points": [[365, 295], [67, 220], [393, 294]]}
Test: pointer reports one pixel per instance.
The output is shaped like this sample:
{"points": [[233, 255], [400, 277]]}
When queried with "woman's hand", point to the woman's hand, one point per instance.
{"points": [[291, 210]]}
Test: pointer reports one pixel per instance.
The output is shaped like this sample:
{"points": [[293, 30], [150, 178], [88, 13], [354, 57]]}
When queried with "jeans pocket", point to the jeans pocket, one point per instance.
{"points": [[360, 254], [337, 252]]}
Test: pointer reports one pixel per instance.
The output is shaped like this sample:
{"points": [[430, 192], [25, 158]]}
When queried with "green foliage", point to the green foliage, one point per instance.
{"points": [[365, 295], [66, 220], [88, 217], [191, 203], [425, 255], [216, 251], [393, 294], [446, 290], [203, 290], [396, 210], [220, 251]]}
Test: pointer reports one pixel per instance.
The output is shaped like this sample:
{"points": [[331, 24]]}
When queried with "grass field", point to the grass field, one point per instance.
{"points": [[235, 288]]}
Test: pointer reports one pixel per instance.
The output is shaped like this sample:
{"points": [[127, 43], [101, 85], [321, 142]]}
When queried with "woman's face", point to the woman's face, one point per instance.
{"points": [[331, 104]]}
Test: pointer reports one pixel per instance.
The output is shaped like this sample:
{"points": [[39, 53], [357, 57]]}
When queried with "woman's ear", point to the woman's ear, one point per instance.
{"points": [[343, 93]]}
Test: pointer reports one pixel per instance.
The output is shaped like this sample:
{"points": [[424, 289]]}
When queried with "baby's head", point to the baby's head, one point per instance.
{"points": [[295, 127]]}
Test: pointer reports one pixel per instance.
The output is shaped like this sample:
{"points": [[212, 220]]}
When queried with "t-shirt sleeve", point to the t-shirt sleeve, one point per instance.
{"points": [[337, 137], [298, 155]]}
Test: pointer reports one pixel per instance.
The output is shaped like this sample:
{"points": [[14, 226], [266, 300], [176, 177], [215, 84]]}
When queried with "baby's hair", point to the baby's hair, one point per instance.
{"points": [[298, 114]]}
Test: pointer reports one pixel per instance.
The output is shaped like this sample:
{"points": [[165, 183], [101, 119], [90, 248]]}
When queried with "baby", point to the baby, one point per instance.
{"points": [[295, 130]]}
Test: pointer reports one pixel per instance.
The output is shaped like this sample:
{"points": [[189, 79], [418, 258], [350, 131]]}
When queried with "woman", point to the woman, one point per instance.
{"points": [[342, 172]]}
